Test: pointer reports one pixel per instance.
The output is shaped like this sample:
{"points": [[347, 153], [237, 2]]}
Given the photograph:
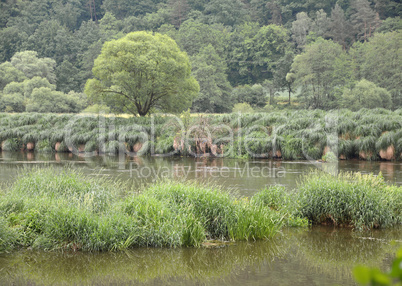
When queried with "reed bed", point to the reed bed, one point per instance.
{"points": [[291, 135], [351, 200], [47, 209], [63, 209]]}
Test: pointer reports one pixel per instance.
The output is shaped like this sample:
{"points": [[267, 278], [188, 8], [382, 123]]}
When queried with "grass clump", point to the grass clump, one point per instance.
{"points": [[53, 209], [330, 157], [356, 200], [279, 199], [10, 145], [44, 146], [7, 236], [221, 215]]}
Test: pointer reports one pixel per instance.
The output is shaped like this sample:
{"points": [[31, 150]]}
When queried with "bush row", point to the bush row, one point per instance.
{"points": [[366, 134]]}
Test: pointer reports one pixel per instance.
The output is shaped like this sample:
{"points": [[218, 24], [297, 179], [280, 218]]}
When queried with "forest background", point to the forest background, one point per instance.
{"points": [[248, 55]]}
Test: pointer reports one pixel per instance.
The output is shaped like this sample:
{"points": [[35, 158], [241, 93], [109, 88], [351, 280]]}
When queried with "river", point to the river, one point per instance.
{"points": [[317, 256]]}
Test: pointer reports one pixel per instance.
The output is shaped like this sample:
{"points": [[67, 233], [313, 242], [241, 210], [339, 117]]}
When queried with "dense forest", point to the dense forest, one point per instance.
{"points": [[321, 54]]}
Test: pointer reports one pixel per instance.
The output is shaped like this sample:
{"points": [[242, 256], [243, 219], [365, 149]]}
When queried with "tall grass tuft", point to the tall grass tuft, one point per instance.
{"points": [[8, 237], [360, 201], [222, 216], [11, 144], [279, 199]]}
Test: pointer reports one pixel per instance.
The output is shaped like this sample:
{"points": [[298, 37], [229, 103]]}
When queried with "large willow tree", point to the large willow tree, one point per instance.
{"points": [[142, 71]]}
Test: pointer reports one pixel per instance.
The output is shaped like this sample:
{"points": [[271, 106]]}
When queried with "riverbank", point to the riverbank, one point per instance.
{"points": [[289, 135]]}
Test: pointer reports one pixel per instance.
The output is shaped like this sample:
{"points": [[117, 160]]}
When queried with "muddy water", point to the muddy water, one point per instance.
{"points": [[318, 256]]}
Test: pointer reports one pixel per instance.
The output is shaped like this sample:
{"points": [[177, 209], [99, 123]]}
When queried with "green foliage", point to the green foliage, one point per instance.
{"points": [[32, 66], [254, 58], [292, 148], [60, 41], [222, 216], [158, 75], [253, 95], [291, 135], [372, 276], [9, 73], [97, 108], [46, 209], [279, 199], [361, 201], [314, 71], [10, 144], [44, 146], [379, 64], [366, 94], [12, 102], [8, 237], [330, 157], [45, 100], [243, 108], [209, 70]]}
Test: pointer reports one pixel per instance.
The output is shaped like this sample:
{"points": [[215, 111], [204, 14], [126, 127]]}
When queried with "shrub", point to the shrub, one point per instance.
{"points": [[44, 146], [243, 108], [8, 237], [218, 212]]}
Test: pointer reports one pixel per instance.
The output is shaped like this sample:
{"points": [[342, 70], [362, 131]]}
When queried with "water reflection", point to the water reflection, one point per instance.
{"points": [[321, 256], [245, 176]]}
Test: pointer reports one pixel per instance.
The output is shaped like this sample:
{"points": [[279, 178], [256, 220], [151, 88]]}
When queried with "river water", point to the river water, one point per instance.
{"points": [[317, 256]]}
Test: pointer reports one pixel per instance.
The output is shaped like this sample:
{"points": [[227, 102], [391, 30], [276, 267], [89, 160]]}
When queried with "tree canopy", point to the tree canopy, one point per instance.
{"points": [[243, 42], [142, 71]]}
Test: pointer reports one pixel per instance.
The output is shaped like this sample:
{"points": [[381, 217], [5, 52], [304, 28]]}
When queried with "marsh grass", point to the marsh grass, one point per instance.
{"points": [[284, 202], [300, 134], [53, 209], [356, 200], [11, 144]]}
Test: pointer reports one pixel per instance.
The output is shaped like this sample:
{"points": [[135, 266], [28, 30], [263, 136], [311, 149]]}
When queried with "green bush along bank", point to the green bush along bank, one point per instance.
{"points": [[291, 135]]}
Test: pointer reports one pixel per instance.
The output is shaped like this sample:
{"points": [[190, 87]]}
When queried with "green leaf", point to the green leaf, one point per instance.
{"points": [[362, 274]]}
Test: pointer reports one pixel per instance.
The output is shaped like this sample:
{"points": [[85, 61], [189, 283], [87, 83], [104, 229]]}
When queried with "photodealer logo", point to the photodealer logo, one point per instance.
{"points": [[233, 136]]}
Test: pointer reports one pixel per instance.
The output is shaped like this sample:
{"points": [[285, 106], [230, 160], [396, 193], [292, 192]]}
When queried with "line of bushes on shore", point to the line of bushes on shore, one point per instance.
{"points": [[67, 210], [366, 134]]}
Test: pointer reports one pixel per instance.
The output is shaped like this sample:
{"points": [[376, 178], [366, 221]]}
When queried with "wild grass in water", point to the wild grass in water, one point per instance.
{"points": [[49, 209], [279, 199], [360, 201]]}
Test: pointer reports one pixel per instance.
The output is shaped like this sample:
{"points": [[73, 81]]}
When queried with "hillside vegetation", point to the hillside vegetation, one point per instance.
{"points": [[331, 54]]}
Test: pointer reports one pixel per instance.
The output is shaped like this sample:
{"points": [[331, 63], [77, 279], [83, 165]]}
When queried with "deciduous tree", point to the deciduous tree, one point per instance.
{"points": [[142, 71], [209, 70], [314, 71]]}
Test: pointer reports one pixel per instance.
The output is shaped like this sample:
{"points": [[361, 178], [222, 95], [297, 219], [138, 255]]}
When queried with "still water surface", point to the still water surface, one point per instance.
{"points": [[318, 256]]}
